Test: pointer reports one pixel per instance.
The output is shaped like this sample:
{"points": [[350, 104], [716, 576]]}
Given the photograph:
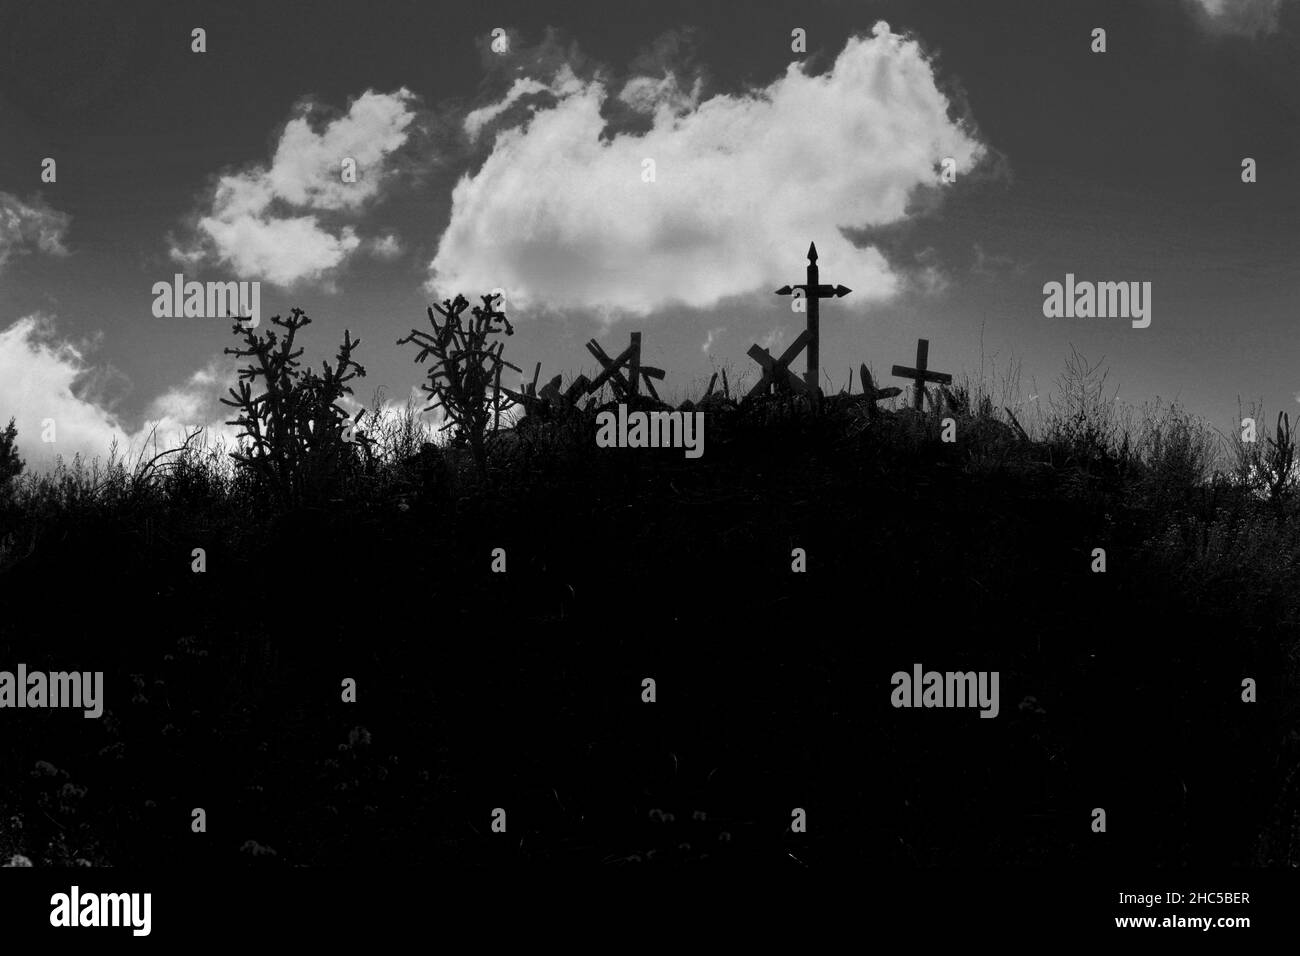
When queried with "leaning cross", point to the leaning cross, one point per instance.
{"points": [[630, 360], [813, 293], [869, 389], [920, 375], [776, 371]]}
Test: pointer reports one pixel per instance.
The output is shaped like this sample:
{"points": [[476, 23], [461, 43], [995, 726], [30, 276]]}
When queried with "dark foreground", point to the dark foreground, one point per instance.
{"points": [[523, 690]]}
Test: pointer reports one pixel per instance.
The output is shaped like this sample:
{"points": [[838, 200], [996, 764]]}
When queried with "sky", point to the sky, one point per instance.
{"points": [[523, 168]]}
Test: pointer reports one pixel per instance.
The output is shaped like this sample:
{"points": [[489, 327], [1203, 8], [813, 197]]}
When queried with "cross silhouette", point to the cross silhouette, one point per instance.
{"points": [[869, 389], [920, 375], [776, 371], [814, 292], [629, 359]]}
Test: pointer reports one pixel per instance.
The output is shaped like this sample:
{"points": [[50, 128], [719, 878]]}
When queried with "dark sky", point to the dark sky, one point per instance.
{"points": [[1122, 166]]}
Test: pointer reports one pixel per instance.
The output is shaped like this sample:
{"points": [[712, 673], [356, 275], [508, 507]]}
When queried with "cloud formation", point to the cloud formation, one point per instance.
{"points": [[44, 380], [294, 219], [1242, 17], [562, 218], [27, 225]]}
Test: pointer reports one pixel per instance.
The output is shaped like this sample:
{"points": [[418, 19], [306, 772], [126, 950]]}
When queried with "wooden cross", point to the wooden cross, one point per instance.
{"points": [[776, 371], [870, 393], [532, 399], [920, 375], [624, 388], [869, 389], [813, 292]]}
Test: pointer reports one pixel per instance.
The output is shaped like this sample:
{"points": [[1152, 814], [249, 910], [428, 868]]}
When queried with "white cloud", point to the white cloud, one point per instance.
{"points": [[479, 118], [1244, 17], [709, 338], [387, 246], [245, 227], [648, 95], [197, 403], [24, 225], [561, 218], [39, 379], [392, 413]]}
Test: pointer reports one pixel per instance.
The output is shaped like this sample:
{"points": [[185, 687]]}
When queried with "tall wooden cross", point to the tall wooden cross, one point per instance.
{"points": [[920, 375], [813, 293]]}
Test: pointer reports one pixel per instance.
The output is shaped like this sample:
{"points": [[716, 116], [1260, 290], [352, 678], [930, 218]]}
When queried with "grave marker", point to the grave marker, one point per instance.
{"points": [[627, 388], [776, 371], [921, 374], [814, 291]]}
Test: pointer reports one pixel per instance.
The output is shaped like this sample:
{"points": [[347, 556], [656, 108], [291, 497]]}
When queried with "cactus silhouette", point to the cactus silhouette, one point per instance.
{"points": [[465, 379], [298, 446]]}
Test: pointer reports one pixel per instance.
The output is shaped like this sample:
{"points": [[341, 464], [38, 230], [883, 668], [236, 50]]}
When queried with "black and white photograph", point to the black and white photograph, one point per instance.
{"points": [[657, 444]]}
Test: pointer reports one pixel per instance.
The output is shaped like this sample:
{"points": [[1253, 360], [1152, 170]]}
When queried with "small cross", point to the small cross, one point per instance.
{"points": [[920, 375], [869, 389], [626, 389]]}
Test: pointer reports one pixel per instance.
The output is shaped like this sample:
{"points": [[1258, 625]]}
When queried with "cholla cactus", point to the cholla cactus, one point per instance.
{"points": [[465, 380], [300, 438]]}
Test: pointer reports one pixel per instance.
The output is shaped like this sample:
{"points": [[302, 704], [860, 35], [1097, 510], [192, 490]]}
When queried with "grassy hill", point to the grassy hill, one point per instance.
{"points": [[522, 690]]}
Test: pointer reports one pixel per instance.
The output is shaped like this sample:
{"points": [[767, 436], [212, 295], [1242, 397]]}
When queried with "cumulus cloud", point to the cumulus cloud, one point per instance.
{"points": [[293, 219], [43, 380], [196, 402], [1243, 17], [27, 225], [649, 95], [476, 120], [559, 214]]}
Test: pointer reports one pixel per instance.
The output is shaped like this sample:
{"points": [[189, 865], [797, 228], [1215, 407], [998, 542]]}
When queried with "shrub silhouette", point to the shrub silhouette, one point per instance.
{"points": [[11, 463], [1084, 427], [465, 380], [300, 444], [1177, 453]]}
